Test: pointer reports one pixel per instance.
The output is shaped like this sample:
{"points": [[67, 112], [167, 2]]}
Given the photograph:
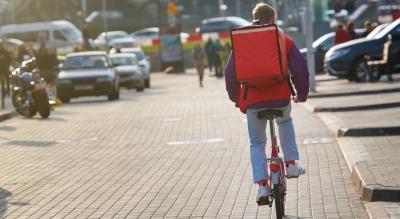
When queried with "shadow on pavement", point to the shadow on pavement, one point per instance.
{"points": [[4, 194], [31, 143], [7, 128]]}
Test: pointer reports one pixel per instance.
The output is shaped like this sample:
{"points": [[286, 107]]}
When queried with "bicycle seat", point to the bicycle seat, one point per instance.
{"points": [[269, 114]]}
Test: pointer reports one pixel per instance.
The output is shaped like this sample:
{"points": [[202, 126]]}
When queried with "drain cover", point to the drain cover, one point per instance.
{"points": [[318, 141]]}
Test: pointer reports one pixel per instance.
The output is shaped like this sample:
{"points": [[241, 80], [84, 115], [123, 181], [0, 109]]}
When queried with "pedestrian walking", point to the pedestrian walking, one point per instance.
{"points": [[198, 58], [251, 100], [209, 48], [86, 37], [341, 34], [225, 51], [217, 58], [367, 28], [5, 62], [23, 54]]}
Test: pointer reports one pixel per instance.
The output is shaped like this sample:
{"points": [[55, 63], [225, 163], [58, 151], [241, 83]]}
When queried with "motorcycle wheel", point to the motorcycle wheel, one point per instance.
{"points": [[42, 102], [18, 100]]}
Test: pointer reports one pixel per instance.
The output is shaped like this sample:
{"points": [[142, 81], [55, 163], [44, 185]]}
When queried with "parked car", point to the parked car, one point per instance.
{"points": [[145, 36], [143, 61], [61, 34], [87, 74], [127, 67], [221, 24], [347, 60], [112, 38], [321, 46]]}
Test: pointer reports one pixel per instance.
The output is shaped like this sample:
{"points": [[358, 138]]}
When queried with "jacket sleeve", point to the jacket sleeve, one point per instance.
{"points": [[231, 84], [299, 70]]}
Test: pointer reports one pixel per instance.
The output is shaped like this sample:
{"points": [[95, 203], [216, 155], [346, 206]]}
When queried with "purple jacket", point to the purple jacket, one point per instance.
{"points": [[298, 68]]}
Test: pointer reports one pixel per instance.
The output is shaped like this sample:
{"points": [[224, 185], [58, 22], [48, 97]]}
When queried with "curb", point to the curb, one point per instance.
{"points": [[353, 93], [368, 132], [7, 114], [354, 108], [374, 192]]}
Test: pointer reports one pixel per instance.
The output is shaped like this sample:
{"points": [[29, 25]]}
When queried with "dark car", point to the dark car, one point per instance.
{"points": [[347, 60], [87, 74], [221, 24]]}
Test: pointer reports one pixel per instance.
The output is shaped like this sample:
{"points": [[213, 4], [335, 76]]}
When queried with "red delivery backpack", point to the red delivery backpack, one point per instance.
{"points": [[261, 65]]}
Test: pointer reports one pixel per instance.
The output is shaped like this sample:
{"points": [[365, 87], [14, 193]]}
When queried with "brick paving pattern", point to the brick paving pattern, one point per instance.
{"points": [[174, 151]]}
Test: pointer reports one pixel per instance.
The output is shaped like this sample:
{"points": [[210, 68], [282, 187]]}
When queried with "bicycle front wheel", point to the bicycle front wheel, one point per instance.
{"points": [[279, 201]]}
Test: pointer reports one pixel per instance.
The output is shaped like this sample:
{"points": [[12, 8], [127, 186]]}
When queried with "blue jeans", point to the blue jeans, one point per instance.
{"points": [[258, 140]]}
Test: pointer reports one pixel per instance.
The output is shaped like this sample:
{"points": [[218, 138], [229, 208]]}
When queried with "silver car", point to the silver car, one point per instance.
{"points": [[143, 61], [87, 74], [127, 67]]}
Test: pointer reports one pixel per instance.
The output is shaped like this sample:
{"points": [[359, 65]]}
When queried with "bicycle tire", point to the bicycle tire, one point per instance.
{"points": [[279, 201]]}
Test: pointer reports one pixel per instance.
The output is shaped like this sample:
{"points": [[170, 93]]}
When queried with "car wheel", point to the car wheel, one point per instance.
{"points": [[147, 83], [375, 73], [65, 99], [114, 95], [360, 71]]}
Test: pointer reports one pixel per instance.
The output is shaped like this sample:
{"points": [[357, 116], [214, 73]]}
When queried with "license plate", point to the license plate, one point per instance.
{"points": [[83, 87]]}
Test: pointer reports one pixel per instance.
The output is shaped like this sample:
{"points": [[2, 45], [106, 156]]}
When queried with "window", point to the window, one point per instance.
{"points": [[59, 35], [79, 62]]}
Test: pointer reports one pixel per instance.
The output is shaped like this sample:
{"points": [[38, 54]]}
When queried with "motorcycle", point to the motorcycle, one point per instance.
{"points": [[29, 91]]}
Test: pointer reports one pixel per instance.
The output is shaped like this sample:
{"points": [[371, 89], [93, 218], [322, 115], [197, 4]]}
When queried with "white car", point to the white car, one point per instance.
{"points": [[113, 38], [127, 67], [145, 36], [143, 61]]}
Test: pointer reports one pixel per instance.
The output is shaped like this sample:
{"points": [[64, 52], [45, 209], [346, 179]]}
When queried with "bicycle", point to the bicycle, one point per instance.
{"points": [[277, 178]]}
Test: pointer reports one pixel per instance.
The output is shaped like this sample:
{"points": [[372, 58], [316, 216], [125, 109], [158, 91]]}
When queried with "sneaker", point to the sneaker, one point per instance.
{"points": [[294, 171], [262, 196]]}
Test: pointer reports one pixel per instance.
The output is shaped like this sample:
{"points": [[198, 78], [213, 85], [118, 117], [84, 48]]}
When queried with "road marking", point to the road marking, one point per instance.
{"points": [[318, 141], [196, 141]]}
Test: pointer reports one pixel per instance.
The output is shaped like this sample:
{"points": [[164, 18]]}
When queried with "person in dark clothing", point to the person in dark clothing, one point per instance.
{"points": [[367, 28], [23, 54], [86, 37], [209, 48], [217, 58], [5, 61], [47, 63]]}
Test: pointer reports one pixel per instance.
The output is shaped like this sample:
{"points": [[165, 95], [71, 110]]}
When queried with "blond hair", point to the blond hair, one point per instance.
{"points": [[263, 12]]}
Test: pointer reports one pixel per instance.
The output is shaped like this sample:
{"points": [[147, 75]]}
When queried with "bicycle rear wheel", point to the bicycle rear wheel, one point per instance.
{"points": [[279, 201]]}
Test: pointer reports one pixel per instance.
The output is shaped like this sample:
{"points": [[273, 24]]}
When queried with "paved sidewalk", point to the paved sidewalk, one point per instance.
{"points": [[173, 151], [372, 160]]}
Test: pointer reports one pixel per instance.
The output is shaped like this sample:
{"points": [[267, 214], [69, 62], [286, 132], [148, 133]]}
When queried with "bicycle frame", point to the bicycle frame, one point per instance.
{"points": [[276, 164]]}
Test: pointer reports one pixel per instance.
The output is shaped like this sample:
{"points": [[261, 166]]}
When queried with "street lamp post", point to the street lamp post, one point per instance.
{"points": [[84, 10], [309, 41], [105, 20]]}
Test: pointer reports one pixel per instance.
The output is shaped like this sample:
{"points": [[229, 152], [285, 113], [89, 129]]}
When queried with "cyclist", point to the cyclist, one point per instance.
{"points": [[265, 14]]}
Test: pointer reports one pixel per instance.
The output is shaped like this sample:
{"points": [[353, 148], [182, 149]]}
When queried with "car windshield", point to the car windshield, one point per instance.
{"points": [[387, 29], [326, 41], [127, 60], [83, 62], [139, 55]]}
